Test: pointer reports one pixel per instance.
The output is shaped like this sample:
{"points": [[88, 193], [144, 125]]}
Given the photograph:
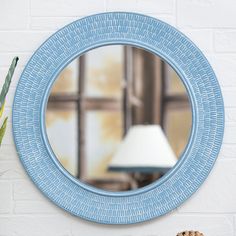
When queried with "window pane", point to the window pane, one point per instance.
{"points": [[103, 135], [62, 133], [104, 72], [174, 85], [67, 81], [177, 127]]}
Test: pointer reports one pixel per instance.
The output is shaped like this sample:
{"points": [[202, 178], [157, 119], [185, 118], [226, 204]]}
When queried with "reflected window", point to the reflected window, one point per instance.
{"points": [[99, 97]]}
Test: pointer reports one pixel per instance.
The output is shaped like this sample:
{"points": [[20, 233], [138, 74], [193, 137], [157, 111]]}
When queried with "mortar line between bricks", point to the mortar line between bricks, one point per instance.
{"points": [[206, 28], [105, 5], [58, 17], [25, 31], [206, 213], [223, 52], [29, 14], [12, 197], [234, 223], [33, 214], [175, 12]]}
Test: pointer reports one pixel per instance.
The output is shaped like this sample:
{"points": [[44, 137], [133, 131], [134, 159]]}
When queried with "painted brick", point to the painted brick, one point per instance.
{"points": [[8, 113], [55, 23], [11, 170], [121, 5], [225, 41], [26, 41], [36, 207], [35, 226], [235, 223], [202, 38], [228, 151], [6, 59], [15, 79], [229, 95], [224, 67], [14, 14], [142, 6], [65, 7], [164, 17], [229, 135], [10, 96], [50, 23], [25, 190], [155, 6], [206, 13], [8, 138], [8, 152], [230, 115], [5, 197]]}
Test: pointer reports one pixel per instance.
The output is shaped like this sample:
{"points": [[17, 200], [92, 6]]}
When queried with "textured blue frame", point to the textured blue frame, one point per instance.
{"points": [[86, 201]]}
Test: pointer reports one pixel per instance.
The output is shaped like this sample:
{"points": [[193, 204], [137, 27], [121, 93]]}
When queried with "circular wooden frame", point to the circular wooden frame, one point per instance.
{"points": [[86, 201]]}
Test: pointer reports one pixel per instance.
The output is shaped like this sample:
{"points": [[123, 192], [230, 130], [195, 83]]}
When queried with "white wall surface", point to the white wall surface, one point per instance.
{"points": [[211, 24]]}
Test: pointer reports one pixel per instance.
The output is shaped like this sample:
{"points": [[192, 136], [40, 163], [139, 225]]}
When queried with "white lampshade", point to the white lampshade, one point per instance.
{"points": [[145, 148]]}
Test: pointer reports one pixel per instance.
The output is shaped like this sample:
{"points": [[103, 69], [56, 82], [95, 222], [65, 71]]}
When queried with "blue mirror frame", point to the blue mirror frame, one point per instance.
{"points": [[89, 202]]}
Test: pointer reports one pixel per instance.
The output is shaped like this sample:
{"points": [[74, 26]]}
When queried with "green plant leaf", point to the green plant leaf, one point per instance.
{"points": [[3, 130], [7, 82], [1, 110]]}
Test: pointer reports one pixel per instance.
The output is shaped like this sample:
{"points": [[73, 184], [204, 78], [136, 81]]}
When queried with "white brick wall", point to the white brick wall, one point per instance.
{"points": [[211, 24]]}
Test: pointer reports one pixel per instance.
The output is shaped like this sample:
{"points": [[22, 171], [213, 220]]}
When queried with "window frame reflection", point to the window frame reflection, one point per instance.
{"points": [[138, 64]]}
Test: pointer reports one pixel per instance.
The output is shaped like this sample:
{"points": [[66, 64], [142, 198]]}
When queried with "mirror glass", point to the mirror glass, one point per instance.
{"points": [[118, 118]]}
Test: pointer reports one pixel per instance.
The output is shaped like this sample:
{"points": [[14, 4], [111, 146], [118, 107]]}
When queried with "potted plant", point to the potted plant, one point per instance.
{"points": [[3, 94]]}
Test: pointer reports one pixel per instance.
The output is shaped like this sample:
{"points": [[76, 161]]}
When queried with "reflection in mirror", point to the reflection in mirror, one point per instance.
{"points": [[118, 118]]}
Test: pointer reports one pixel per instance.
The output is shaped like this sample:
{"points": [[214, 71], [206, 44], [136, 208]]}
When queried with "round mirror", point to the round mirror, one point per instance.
{"points": [[118, 118]]}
